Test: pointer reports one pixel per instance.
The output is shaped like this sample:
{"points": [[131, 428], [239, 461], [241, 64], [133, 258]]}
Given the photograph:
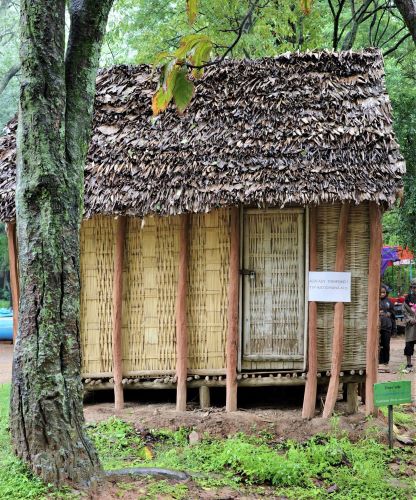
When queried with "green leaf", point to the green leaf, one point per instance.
{"points": [[183, 91], [305, 6], [201, 55], [160, 100], [162, 58], [191, 10], [188, 43]]}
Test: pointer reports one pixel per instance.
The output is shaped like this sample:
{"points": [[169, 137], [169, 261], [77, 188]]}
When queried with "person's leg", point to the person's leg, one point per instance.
{"points": [[408, 352], [387, 348], [384, 347]]}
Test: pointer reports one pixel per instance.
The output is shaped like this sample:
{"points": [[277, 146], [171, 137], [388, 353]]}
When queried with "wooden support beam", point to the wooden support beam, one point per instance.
{"points": [[117, 312], [204, 397], [14, 277], [374, 263], [181, 323], [309, 398], [352, 398], [338, 338], [233, 298]]}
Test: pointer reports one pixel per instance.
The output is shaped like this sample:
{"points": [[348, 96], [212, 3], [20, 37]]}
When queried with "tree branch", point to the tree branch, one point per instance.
{"points": [[246, 21], [395, 46], [8, 76]]}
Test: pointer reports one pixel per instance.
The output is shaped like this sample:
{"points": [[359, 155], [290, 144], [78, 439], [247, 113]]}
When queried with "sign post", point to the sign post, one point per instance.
{"points": [[389, 394]]}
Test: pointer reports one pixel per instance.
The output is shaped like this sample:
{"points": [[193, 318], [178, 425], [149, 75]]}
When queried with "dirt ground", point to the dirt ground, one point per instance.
{"points": [[255, 412], [276, 411], [258, 409], [6, 356]]}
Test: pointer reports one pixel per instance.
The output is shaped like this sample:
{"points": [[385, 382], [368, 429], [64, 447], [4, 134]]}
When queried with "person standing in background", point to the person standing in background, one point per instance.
{"points": [[409, 309], [387, 325]]}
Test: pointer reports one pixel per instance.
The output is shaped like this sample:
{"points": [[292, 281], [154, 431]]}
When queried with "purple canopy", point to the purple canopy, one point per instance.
{"points": [[388, 254]]}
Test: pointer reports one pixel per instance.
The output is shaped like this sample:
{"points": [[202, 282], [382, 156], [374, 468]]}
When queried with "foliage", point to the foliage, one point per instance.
{"points": [[117, 443], [9, 56], [163, 488], [297, 470], [16, 481]]}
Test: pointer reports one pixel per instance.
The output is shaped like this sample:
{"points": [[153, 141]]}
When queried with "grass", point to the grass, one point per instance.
{"points": [[322, 466], [16, 482]]}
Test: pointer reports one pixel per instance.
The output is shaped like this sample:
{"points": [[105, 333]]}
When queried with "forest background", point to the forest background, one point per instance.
{"points": [[139, 29]]}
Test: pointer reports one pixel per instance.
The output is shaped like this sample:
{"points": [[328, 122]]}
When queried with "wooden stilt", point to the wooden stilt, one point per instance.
{"points": [[232, 334], [309, 398], [117, 313], [14, 279], [338, 338], [181, 323], [204, 397], [374, 262], [352, 398]]}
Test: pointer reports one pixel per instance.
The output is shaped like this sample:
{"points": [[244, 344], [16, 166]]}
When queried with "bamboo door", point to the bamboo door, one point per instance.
{"points": [[273, 289]]}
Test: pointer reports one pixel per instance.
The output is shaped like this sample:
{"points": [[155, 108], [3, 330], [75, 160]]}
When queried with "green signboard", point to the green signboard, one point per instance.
{"points": [[392, 393]]}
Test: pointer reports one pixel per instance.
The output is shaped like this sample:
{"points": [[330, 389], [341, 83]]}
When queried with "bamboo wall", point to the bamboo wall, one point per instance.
{"points": [[355, 313], [149, 291]]}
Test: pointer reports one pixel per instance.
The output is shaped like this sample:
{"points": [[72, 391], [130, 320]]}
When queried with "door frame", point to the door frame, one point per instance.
{"points": [[306, 275]]}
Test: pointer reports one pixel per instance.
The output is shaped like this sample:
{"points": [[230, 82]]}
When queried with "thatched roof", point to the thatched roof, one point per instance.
{"points": [[299, 128]]}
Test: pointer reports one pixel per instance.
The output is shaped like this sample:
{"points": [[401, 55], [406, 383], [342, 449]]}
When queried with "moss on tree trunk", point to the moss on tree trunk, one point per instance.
{"points": [[56, 100]]}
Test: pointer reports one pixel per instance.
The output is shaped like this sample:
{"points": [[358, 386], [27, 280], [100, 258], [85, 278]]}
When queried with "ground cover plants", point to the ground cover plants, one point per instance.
{"points": [[257, 465]]}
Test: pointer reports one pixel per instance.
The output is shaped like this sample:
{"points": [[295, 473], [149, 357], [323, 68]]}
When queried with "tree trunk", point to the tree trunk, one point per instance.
{"points": [[47, 422], [407, 9]]}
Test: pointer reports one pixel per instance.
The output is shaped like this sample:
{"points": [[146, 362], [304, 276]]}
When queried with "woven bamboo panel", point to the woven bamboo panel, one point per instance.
{"points": [[97, 264], [355, 314], [208, 286], [149, 296], [274, 296]]}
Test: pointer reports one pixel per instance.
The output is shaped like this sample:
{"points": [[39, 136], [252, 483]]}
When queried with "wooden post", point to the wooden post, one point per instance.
{"points": [[309, 398], [117, 313], [181, 323], [233, 295], [352, 398], [204, 397], [14, 279], [374, 262], [338, 338]]}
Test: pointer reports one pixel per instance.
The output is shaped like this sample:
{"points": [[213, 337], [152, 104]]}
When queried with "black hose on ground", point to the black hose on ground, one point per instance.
{"points": [[117, 475]]}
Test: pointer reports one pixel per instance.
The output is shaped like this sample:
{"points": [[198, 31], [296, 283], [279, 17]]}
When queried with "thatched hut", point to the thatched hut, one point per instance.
{"points": [[202, 227]]}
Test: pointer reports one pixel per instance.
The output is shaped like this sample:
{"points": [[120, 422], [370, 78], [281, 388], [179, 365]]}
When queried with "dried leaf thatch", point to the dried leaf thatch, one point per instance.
{"points": [[299, 128]]}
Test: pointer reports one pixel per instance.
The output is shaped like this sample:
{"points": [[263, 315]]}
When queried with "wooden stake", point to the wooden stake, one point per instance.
{"points": [[309, 398], [14, 278], [338, 339], [204, 397], [374, 262], [117, 313], [181, 324], [352, 398], [233, 295]]}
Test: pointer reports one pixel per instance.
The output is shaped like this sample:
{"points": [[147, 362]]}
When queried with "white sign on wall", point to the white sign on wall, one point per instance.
{"points": [[329, 287]]}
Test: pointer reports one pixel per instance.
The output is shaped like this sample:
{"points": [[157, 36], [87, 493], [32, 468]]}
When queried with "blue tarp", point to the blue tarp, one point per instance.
{"points": [[388, 254]]}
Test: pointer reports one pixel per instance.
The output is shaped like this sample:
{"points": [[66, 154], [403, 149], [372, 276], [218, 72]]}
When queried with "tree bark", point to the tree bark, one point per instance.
{"points": [[181, 320], [117, 314], [374, 262], [47, 421], [407, 9], [309, 398], [233, 291], [338, 338]]}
